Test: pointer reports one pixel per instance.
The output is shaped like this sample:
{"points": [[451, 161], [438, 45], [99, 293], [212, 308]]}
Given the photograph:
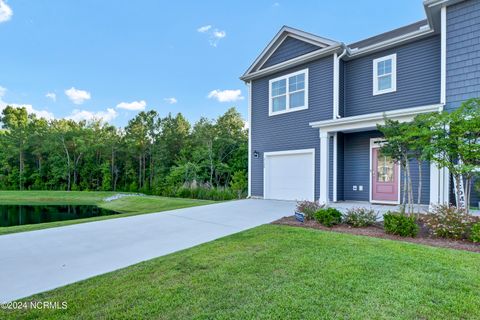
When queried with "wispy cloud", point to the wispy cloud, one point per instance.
{"points": [[77, 96], [226, 95], [134, 105], [6, 12], [276, 4], [52, 96], [216, 36], [204, 28], [30, 109], [171, 100], [105, 116]]}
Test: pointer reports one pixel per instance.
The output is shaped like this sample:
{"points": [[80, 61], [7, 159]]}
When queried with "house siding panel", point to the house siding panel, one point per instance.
{"points": [[356, 169], [463, 58], [290, 131], [418, 79], [289, 49]]}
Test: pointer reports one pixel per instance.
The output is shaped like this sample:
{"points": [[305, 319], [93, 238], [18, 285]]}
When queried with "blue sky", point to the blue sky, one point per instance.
{"points": [[113, 58]]}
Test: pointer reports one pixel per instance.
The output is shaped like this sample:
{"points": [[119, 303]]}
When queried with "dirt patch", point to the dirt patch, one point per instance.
{"points": [[377, 231]]}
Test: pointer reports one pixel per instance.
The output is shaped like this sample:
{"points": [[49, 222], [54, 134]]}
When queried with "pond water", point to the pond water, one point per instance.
{"points": [[14, 215]]}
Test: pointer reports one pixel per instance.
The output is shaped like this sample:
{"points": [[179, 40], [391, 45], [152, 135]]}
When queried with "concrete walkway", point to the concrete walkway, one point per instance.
{"points": [[36, 261]]}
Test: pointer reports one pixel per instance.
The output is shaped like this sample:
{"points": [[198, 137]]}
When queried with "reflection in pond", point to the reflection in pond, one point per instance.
{"points": [[14, 215]]}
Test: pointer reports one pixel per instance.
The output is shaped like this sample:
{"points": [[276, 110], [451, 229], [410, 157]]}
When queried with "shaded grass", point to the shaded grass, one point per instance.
{"points": [[281, 272], [127, 206]]}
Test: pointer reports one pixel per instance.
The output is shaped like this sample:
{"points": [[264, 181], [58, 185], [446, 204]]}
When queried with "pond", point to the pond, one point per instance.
{"points": [[14, 215]]}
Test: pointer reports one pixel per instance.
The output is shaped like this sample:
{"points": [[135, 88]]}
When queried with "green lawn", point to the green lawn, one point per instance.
{"points": [[128, 206], [282, 272]]}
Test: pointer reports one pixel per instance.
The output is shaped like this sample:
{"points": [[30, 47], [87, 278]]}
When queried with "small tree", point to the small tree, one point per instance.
{"points": [[239, 183], [455, 143]]}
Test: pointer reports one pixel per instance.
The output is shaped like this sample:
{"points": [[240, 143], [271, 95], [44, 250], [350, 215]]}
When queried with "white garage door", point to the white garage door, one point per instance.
{"points": [[290, 175]]}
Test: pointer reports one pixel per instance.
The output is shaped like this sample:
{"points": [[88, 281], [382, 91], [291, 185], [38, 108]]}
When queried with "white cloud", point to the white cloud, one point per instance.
{"points": [[51, 95], [80, 115], [171, 100], [216, 36], [276, 4], [77, 96], [226, 95], [6, 12], [134, 105], [204, 28], [30, 109]]}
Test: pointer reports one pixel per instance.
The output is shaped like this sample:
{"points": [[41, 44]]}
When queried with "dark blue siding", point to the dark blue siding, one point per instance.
{"points": [[356, 170], [418, 79], [463, 58], [340, 166], [463, 53], [290, 131], [289, 49], [341, 89]]}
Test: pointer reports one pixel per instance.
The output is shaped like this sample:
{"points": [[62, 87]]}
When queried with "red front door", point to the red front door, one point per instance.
{"points": [[384, 178]]}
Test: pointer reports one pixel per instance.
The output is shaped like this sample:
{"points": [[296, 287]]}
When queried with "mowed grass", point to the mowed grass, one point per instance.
{"points": [[127, 206], [281, 272]]}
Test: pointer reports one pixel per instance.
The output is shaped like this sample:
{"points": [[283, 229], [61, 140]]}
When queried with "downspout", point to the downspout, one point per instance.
{"points": [[336, 106]]}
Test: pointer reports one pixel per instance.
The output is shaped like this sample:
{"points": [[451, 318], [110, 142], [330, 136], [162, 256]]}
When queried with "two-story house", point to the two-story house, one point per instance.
{"points": [[314, 104]]}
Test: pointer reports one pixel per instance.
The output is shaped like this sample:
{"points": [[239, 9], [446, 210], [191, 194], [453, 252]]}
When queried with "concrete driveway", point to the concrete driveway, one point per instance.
{"points": [[36, 261]]}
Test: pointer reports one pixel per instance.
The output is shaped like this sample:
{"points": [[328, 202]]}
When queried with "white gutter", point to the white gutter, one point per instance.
{"points": [[336, 83]]}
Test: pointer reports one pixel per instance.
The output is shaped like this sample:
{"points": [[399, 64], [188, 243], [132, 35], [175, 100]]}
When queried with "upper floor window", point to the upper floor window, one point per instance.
{"points": [[385, 74], [288, 93]]}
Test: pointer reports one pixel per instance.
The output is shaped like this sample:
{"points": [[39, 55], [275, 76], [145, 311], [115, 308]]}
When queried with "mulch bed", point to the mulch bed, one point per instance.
{"points": [[377, 231]]}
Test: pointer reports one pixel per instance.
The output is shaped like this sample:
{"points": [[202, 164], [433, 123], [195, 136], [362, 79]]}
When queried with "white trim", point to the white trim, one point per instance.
{"points": [[324, 167], [399, 177], [281, 35], [291, 63], [287, 152], [443, 56], [370, 121], [287, 93], [334, 187], [336, 84], [249, 84], [393, 74]]}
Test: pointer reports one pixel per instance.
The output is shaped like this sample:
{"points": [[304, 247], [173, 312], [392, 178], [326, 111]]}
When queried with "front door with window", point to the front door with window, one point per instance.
{"points": [[385, 175]]}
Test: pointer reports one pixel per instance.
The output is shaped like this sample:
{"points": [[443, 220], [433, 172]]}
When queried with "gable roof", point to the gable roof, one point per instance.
{"points": [[280, 37]]}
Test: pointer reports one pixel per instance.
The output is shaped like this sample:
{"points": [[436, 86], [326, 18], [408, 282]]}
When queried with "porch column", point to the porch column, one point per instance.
{"points": [[324, 167], [439, 185]]}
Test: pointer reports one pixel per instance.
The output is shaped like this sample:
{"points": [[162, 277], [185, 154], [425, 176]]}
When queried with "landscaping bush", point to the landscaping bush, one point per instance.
{"points": [[475, 232], [204, 193], [328, 216], [400, 224], [308, 208], [449, 222], [360, 217]]}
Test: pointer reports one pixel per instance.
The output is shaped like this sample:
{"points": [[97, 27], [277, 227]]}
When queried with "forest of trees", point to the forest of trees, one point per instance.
{"points": [[153, 155]]}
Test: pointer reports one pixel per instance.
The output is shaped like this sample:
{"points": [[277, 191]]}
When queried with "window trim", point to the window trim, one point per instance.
{"points": [[287, 109], [393, 88]]}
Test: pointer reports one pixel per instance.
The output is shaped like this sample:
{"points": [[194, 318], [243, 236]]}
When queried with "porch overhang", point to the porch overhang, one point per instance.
{"points": [[370, 121]]}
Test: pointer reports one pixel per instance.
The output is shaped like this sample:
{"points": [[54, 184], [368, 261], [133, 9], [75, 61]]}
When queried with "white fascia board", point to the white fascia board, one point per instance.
{"points": [[370, 120], [291, 63]]}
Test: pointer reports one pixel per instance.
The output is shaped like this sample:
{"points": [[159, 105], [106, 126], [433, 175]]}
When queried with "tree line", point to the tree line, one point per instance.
{"points": [[151, 154]]}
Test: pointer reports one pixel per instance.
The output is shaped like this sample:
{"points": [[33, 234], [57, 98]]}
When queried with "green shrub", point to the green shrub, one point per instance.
{"points": [[449, 222], [308, 208], [360, 217], [475, 232], [400, 224], [205, 193], [328, 216]]}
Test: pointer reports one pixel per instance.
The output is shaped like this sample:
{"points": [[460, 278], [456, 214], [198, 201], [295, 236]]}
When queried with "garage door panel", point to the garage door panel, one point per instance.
{"points": [[289, 176]]}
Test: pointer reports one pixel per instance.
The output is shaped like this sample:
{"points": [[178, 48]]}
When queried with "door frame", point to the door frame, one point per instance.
{"points": [[283, 153], [375, 143]]}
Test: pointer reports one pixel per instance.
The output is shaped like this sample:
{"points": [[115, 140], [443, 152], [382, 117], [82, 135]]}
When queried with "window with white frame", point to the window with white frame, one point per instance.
{"points": [[385, 74], [288, 93]]}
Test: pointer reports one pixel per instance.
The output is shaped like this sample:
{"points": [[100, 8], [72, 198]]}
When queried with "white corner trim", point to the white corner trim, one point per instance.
{"points": [[334, 187], [283, 153], [393, 74], [287, 93], [370, 120], [374, 144], [249, 84], [324, 167], [443, 56]]}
